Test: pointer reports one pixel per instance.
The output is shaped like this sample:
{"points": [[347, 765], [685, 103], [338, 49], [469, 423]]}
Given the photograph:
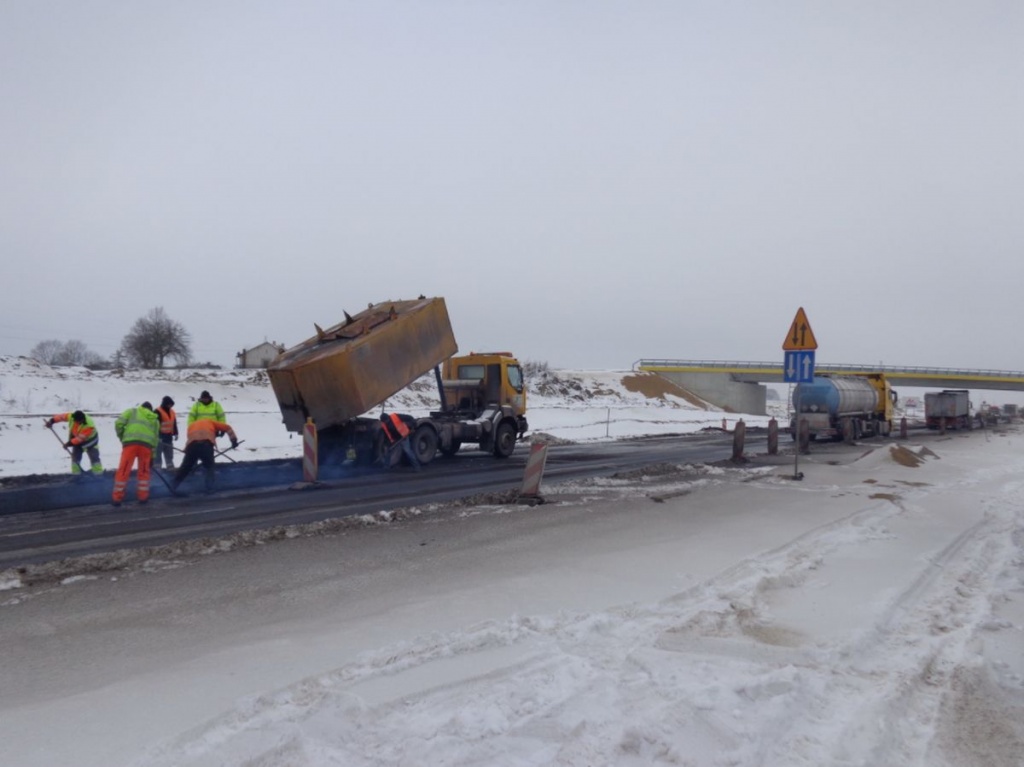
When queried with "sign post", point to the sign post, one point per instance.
{"points": [[798, 368]]}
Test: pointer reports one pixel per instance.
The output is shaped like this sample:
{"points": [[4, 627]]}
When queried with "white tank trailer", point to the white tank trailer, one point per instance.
{"points": [[830, 404]]}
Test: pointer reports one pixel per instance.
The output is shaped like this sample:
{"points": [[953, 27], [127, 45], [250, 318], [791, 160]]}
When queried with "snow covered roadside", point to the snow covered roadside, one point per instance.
{"points": [[575, 405], [871, 614]]}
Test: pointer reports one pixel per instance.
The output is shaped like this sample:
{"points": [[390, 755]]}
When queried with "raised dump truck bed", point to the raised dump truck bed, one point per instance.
{"points": [[342, 373], [350, 368]]}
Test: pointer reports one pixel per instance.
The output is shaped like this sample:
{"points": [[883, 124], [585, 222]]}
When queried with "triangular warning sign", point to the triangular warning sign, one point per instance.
{"points": [[800, 336]]}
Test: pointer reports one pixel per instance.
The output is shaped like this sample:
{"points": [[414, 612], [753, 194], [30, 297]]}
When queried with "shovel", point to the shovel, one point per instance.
{"points": [[163, 479], [66, 448], [57, 437], [220, 453]]}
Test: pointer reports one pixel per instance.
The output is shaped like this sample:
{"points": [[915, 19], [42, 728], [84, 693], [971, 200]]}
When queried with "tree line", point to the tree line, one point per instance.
{"points": [[153, 340]]}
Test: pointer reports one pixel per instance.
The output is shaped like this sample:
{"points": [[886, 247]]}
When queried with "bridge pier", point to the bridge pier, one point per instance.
{"points": [[721, 390]]}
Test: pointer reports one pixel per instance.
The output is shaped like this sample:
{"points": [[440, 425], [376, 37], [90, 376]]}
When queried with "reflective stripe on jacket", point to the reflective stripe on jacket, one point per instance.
{"points": [[138, 426], [213, 411], [80, 434], [168, 421], [205, 430]]}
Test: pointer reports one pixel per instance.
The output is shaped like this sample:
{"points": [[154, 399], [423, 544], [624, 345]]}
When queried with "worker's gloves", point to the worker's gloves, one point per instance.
{"points": [[175, 437], [49, 423], [68, 443], [234, 443]]}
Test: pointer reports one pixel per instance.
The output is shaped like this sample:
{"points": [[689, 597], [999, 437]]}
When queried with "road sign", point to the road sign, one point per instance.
{"points": [[798, 367], [800, 336]]}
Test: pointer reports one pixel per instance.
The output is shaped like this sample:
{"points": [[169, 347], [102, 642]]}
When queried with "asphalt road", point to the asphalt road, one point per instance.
{"points": [[56, 520]]}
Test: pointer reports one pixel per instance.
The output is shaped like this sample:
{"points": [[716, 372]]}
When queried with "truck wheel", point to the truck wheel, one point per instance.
{"points": [[448, 452], [424, 444], [504, 440]]}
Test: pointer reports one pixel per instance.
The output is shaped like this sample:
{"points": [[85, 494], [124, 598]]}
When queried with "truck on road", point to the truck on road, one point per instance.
{"points": [[949, 408], [335, 378], [840, 405]]}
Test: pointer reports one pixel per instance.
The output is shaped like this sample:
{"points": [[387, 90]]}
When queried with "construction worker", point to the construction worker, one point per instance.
{"points": [[168, 432], [200, 447], [82, 437], [397, 429], [205, 407], [138, 428]]}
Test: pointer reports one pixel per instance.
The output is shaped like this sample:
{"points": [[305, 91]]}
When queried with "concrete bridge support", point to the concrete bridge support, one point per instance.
{"points": [[720, 389]]}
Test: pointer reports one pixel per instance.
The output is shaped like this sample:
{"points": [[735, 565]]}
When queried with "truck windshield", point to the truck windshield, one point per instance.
{"points": [[515, 377]]}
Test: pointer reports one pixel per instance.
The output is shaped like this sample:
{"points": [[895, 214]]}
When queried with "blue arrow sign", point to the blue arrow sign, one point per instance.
{"points": [[798, 367]]}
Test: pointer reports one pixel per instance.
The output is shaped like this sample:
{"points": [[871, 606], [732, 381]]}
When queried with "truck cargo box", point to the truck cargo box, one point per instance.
{"points": [[350, 368], [951, 403]]}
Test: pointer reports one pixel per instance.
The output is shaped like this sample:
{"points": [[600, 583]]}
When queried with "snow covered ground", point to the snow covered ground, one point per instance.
{"points": [[581, 406], [872, 614]]}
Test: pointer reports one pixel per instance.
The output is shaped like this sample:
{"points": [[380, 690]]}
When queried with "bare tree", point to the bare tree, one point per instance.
{"points": [[54, 352], [155, 337], [48, 351]]}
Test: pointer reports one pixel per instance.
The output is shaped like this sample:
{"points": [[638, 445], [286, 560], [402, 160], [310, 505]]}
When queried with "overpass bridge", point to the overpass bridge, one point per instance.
{"points": [[739, 385]]}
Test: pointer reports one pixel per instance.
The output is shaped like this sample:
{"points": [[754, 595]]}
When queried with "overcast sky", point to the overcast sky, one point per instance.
{"points": [[586, 183]]}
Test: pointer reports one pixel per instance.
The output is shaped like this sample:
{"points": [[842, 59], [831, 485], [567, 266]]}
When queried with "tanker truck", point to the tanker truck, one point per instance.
{"points": [[864, 404], [336, 377]]}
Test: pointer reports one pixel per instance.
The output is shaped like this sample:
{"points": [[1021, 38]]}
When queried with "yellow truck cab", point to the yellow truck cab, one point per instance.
{"points": [[476, 380]]}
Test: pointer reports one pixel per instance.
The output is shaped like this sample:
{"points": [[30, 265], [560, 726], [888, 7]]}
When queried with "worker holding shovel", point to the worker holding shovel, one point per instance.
{"points": [[201, 447], [82, 437], [138, 428]]}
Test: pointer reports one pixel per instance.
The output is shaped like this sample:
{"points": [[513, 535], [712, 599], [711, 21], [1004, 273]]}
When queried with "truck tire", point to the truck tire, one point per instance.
{"points": [[451, 450], [424, 444], [504, 440]]}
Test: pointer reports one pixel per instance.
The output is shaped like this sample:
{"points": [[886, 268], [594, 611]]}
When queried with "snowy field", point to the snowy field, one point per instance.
{"points": [[580, 406], [872, 614]]}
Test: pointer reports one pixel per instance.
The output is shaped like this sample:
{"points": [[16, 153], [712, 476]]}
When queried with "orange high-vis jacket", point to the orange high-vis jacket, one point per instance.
{"points": [[168, 420], [206, 430], [81, 434], [397, 424]]}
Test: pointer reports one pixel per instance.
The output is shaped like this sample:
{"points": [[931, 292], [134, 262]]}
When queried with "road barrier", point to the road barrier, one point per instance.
{"points": [[530, 491], [310, 462]]}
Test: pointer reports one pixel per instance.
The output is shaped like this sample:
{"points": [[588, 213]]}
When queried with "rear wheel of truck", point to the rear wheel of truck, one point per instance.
{"points": [[504, 440], [424, 444]]}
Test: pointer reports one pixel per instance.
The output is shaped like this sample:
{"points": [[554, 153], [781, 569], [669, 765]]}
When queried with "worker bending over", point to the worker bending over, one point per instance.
{"points": [[82, 436], [200, 447]]}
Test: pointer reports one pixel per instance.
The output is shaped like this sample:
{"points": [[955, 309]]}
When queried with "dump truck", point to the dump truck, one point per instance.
{"points": [[947, 409], [335, 378]]}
